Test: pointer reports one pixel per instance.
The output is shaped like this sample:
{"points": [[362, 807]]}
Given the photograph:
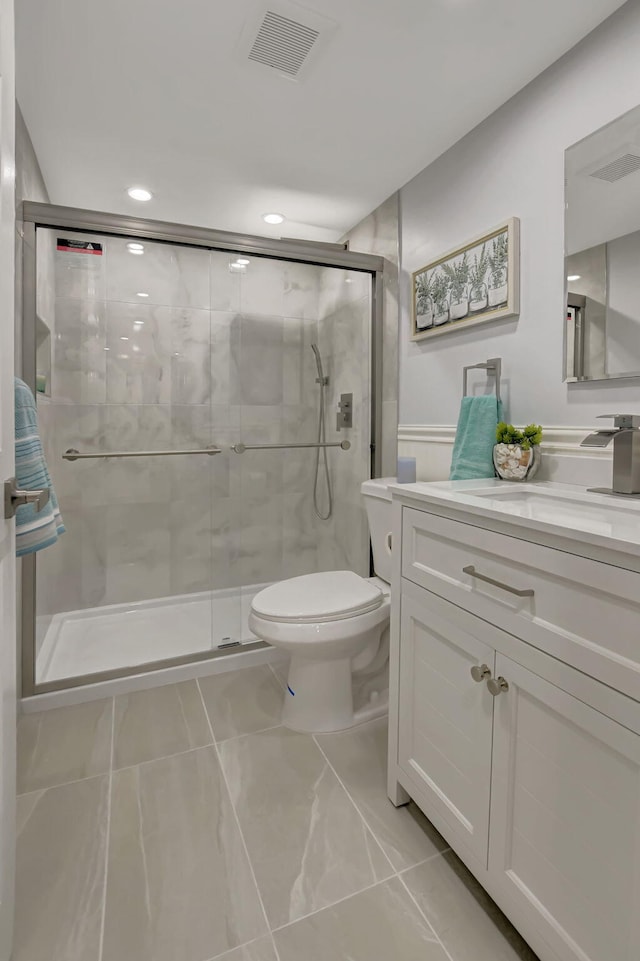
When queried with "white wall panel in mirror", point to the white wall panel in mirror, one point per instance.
{"points": [[602, 252]]}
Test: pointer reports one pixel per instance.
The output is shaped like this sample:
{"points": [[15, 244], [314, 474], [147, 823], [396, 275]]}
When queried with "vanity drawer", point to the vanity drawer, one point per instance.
{"points": [[581, 611]]}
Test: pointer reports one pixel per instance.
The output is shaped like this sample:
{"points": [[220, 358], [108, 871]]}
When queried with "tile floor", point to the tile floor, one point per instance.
{"points": [[185, 823]]}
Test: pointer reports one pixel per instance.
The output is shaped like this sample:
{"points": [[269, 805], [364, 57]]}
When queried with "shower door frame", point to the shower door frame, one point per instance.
{"points": [[35, 215]]}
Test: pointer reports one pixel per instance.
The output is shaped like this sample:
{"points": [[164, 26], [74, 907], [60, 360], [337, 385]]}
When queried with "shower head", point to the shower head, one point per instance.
{"points": [[321, 379]]}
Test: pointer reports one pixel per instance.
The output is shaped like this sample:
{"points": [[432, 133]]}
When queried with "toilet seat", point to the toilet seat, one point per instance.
{"points": [[318, 598]]}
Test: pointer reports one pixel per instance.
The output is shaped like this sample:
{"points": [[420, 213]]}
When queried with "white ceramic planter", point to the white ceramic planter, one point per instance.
{"points": [[459, 310], [424, 320], [513, 463], [498, 295], [442, 318]]}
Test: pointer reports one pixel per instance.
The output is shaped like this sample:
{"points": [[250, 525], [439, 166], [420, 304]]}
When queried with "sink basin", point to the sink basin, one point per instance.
{"points": [[574, 507], [612, 521]]}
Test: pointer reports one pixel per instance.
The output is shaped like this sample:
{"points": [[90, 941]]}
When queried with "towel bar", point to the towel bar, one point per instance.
{"points": [[492, 366], [241, 448], [73, 454]]}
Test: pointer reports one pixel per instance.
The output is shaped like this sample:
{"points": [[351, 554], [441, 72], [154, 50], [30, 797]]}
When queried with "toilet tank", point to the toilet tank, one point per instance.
{"points": [[377, 499]]}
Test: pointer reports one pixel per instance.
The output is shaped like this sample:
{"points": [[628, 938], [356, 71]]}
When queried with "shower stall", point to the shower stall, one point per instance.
{"points": [[188, 384]]}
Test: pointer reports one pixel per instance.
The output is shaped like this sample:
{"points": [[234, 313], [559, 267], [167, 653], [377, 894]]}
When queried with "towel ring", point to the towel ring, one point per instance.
{"points": [[492, 366]]}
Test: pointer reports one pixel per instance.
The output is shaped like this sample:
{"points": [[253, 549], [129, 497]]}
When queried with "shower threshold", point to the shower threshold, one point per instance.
{"points": [[78, 643]]}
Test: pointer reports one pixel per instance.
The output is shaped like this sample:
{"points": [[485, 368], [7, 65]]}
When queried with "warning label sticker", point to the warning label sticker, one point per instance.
{"points": [[79, 246]]}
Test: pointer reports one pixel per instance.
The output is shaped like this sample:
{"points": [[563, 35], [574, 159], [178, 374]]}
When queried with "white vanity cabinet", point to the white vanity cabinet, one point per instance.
{"points": [[502, 729]]}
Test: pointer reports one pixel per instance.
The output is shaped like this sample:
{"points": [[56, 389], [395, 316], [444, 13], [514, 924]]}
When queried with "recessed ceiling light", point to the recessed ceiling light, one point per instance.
{"points": [[243, 261], [137, 324], [141, 293], [573, 277], [134, 248], [106, 348], [139, 193], [348, 280], [124, 338], [135, 347], [273, 218]]}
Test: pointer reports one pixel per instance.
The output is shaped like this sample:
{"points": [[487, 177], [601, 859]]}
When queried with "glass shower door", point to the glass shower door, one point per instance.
{"points": [[163, 351], [124, 366]]}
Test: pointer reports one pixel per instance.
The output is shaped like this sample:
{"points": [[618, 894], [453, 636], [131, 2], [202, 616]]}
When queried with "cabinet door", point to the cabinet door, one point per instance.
{"points": [[445, 718], [565, 819]]}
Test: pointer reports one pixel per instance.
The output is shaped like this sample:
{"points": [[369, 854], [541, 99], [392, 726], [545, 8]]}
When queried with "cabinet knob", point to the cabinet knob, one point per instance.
{"points": [[497, 685], [480, 672]]}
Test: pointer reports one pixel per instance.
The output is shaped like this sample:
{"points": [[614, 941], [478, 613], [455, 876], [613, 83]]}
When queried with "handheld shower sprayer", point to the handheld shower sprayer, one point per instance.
{"points": [[323, 381]]}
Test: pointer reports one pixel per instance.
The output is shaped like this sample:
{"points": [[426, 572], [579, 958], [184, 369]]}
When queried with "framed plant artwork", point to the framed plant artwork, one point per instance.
{"points": [[473, 284]]}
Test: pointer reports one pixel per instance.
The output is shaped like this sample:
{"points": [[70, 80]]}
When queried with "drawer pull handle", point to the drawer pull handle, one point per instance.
{"points": [[497, 685], [505, 587], [480, 672]]}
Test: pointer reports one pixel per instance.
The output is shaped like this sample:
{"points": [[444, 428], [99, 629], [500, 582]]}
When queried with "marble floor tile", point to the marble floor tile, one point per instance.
{"points": [[179, 883], [281, 671], [260, 950], [60, 863], [63, 745], [308, 845], [379, 924], [242, 702], [360, 758], [158, 722], [469, 924]]}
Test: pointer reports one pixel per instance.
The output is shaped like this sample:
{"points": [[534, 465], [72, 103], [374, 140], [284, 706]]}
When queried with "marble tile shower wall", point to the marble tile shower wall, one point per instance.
{"points": [[208, 356], [344, 332], [378, 234]]}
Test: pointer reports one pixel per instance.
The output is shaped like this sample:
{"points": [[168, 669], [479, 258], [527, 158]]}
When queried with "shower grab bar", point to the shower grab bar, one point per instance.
{"points": [[241, 448], [73, 454]]}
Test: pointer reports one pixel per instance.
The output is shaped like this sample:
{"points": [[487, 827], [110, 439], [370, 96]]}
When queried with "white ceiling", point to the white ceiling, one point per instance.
{"points": [[157, 93]]}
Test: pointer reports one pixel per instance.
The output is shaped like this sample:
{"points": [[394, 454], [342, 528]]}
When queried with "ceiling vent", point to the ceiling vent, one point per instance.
{"points": [[621, 167], [283, 44], [614, 165], [285, 38]]}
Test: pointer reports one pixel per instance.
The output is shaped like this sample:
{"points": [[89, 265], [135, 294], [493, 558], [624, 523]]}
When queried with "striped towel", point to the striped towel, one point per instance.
{"points": [[34, 530]]}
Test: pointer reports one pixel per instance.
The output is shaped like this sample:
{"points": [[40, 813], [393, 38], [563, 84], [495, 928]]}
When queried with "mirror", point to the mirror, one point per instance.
{"points": [[602, 253]]}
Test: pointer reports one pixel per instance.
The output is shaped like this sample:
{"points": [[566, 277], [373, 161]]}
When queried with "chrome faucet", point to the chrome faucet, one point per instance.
{"points": [[626, 453]]}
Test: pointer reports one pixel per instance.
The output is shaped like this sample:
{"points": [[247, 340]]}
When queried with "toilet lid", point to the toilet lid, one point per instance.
{"points": [[327, 596]]}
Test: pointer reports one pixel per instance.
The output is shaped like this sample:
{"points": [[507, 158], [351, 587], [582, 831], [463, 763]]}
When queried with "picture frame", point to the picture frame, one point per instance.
{"points": [[473, 284]]}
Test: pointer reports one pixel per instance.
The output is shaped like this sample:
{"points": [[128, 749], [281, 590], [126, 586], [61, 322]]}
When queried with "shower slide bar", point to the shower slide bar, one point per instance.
{"points": [[241, 448], [73, 454]]}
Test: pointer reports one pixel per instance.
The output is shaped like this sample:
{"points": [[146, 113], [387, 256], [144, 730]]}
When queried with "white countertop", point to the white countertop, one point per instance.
{"points": [[607, 521]]}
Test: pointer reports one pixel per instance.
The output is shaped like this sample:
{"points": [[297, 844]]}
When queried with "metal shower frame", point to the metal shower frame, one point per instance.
{"points": [[36, 215]]}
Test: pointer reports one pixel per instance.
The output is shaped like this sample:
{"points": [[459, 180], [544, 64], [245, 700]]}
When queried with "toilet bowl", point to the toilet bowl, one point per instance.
{"points": [[335, 627]]}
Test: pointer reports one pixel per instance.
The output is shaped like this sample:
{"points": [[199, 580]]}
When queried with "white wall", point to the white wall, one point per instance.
{"points": [[513, 165], [623, 308]]}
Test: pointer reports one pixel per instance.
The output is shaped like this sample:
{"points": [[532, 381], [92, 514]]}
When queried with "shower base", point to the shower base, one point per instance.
{"points": [[78, 643]]}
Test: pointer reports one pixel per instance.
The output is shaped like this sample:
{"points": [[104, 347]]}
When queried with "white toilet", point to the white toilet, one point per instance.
{"points": [[334, 625]]}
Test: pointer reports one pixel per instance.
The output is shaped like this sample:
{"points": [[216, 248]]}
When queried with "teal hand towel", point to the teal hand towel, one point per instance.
{"points": [[34, 529], [475, 437]]}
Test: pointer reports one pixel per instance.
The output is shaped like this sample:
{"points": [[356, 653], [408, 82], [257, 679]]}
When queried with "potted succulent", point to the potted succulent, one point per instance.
{"points": [[478, 297], [439, 291], [424, 301], [457, 274], [516, 455], [499, 263]]}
